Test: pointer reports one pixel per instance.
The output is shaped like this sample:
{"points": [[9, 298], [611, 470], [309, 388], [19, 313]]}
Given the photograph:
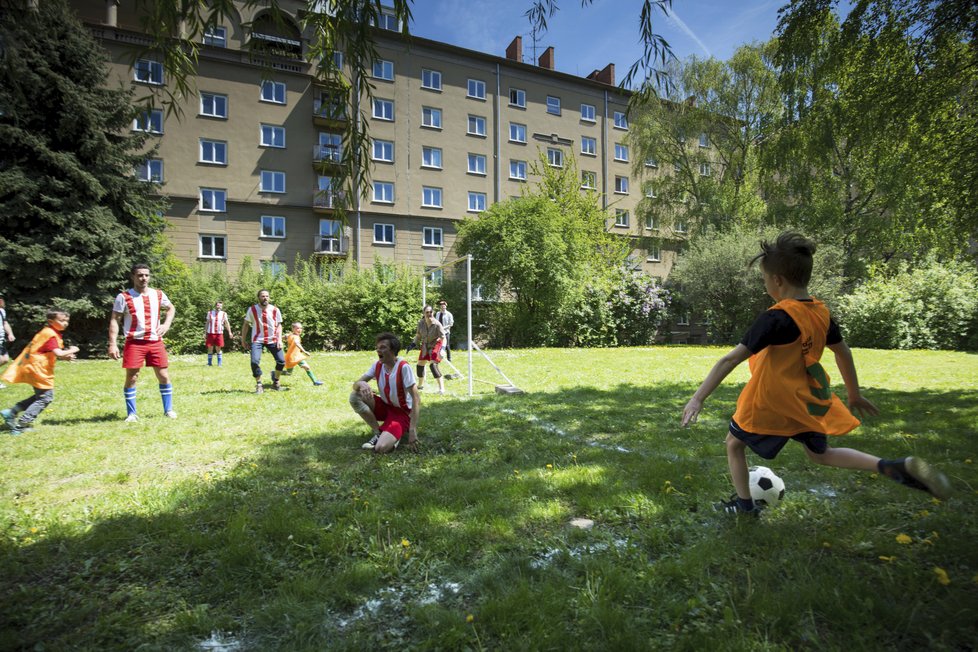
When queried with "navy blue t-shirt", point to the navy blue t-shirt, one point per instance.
{"points": [[774, 327]]}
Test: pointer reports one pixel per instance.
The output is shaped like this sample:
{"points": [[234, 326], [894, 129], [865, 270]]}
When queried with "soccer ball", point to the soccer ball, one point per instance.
{"points": [[766, 488]]}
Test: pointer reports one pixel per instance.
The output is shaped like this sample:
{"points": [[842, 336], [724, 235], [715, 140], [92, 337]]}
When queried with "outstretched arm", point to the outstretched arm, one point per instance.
{"points": [[720, 370], [847, 367]]}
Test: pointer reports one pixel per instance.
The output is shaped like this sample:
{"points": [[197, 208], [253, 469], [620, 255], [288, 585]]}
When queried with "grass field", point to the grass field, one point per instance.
{"points": [[257, 523]]}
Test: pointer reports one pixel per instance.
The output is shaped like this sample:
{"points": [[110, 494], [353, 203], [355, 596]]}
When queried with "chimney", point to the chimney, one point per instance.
{"points": [[605, 76], [515, 50], [547, 59]]}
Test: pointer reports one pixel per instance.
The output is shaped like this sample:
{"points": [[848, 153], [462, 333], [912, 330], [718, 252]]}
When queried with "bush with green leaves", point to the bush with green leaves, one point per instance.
{"points": [[627, 311]]}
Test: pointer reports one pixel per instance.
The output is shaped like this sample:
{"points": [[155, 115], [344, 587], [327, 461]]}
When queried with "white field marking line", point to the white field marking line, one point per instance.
{"points": [[546, 559], [221, 642], [390, 597], [552, 429]]}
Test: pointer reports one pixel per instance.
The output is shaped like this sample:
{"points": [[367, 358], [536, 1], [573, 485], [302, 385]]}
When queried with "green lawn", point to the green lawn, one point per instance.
{"points": [[257, 523]]}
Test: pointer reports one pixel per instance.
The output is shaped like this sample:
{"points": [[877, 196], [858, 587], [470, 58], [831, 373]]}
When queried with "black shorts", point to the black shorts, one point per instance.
{"points": [[768, 446]]}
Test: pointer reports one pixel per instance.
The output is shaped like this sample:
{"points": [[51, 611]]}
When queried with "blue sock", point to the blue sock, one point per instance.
{"points": [[210, 356], [218, 359], [130, 395], [166, 392]]}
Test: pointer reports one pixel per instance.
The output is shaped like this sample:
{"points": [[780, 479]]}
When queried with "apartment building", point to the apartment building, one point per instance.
{"points": [[248, 164]]}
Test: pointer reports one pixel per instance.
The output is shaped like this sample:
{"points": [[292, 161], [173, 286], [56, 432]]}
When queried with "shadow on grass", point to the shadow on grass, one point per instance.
{"points": [[290, 548], [72, 421]]}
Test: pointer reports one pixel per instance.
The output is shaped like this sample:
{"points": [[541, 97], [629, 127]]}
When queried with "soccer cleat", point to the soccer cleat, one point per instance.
{"points": [[132, 418], [170, 414], [275, 386], [9, 418], [17, 430], [919, 474], [371, 443], [259, 388], [317, 383], [732, 507], [2, 386]]}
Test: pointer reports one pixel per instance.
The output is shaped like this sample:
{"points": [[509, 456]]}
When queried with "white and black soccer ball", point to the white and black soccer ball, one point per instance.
{"points": [[766, 488]]}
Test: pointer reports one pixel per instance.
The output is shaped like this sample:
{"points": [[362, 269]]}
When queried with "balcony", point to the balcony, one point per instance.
{"points": [[327, 155], [324, 245], [326, 201], [329, 113]]}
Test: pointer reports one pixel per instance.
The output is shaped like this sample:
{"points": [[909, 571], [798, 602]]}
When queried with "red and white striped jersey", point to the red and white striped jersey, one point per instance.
{"points": [[215, 322], [264, 323], [141, 313], [395, 393]]}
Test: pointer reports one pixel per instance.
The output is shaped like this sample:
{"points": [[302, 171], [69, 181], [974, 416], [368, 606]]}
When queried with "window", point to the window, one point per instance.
{"points": [[151, 121], [383, 69], [437, 277], [274, 268], [589, 180], [650, 191], [330, 147], [621, 217], [681, 227], [387, 20], [272, 136], [517, 170], [651, 162], [213, 246], [383, 109], [677, 167], [432, 236], [704, 169], [655, 254], [273, 92], [517, 132], [329, 236], [430, 197], [431, 117], [384, 234], [477, 164], [553, 105], [384, 192], [621, 120], [650, 223], [213, 200], [430, 79], [621, 185], [150, 170], [704, 139], [587, 112], [477, 125], [517, 97], [589, 146], [683, 319], [213, 151], [555, 157], [338, 59], [431, 157], [272, 181], [213, 105], [477, 202], [272, 226], [621, 152], [216, 36], [383, 151], [476, 89], [148, 71]]}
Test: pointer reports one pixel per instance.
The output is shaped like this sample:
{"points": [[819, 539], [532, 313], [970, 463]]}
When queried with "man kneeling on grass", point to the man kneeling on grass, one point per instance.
{"points": [[396, 406]]}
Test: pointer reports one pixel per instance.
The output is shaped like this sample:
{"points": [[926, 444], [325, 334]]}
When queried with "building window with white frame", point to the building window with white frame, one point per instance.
{"points": [[383, 109], [587, 113], [216, 36], [437, 277], [477, 164], [704, 139], [430, 197], [272, 226], [383, 234], [148, 71], [553, 105], [272, 181], [705, 169], [387, 19], [214, 152], [621, 218], [273, 268], [621, 185], [330, 240], [621, 120], [555, 157], [477, 202], [383, 69], [681, 227], [477, 126], [517, 132], [517, 170], [517, 97], [383, 192], [655, 254], [214, 105], [650, 223], [150, 170], [589, 146], [213, 200], [476, 89], [430, 79], [430, 117], [272, 136], [150, 121], [650, 190], [589, 180], [272, 91], [621, 153], [431, 157], [383, 151], [338, 59], [651, 162], [213, 246], [432, 237], [683, 319]]}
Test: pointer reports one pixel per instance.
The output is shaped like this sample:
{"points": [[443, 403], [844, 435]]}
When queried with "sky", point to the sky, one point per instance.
{"points": [[607, 31]]}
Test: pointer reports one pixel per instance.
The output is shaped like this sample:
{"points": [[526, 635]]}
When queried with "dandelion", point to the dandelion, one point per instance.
{"points": [[826, 544], [935, 500], [687, 477], [207, 476], [470, 618], [550, 467], [903, 539], [887, 559], [968, 461], [254, 466], [516, 472], [942, 577], [405, 543], [975, 579], [33, 530], [922, 513]]}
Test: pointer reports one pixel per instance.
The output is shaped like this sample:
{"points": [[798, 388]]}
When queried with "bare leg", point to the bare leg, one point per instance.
{"points": [[737, 463], [385, 443], [365, 408], [844, 458]]}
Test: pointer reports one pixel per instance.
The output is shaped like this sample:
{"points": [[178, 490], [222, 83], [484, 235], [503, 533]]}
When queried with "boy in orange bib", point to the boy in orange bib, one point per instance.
{"points": [[35, 367], [295, 355], [788, 395]]}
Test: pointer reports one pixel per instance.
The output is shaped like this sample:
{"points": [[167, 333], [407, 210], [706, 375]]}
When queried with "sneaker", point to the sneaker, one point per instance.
{"points": [[275, 386], [170, 415], [371, 443], [9, 418], [317, 383], [732, 507], [259, 388], [17, 430], [132, 418], [918, 474], [2, 386]]}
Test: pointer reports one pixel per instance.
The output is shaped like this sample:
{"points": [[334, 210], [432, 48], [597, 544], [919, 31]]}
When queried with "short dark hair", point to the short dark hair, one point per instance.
{"points": [[132, 270], [790, 256], [263, 290], [54, 312], [392, 341]]}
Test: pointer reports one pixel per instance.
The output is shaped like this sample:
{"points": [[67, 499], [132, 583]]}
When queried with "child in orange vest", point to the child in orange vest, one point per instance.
{"points": [[788, 395], [35, 367], [295, 355]]}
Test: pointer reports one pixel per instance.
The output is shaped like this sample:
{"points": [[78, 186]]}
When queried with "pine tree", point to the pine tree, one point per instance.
{"points": [[73, 215]]}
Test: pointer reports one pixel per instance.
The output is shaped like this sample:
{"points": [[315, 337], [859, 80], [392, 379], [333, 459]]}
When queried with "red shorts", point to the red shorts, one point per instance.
{"points": [[215, 340], [434, 355], [136, 352], [392, 419]]}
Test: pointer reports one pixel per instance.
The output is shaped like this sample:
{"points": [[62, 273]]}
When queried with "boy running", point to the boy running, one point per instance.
{"points": [[217, 323], [788, 395], [295, 355], [265, 322]]}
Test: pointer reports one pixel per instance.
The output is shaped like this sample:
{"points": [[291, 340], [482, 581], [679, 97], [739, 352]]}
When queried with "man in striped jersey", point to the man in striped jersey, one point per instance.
{"points": [[265, 322], [397, 405], [139, 309], [217, 323]]}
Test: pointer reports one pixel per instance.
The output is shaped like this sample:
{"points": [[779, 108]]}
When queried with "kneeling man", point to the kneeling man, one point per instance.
{"points": [[396, 406]]}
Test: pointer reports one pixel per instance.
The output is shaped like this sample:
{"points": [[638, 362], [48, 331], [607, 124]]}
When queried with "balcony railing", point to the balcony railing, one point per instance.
{"points": [[327, 154], [330, 245], [334, 110], [326, 199]]}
